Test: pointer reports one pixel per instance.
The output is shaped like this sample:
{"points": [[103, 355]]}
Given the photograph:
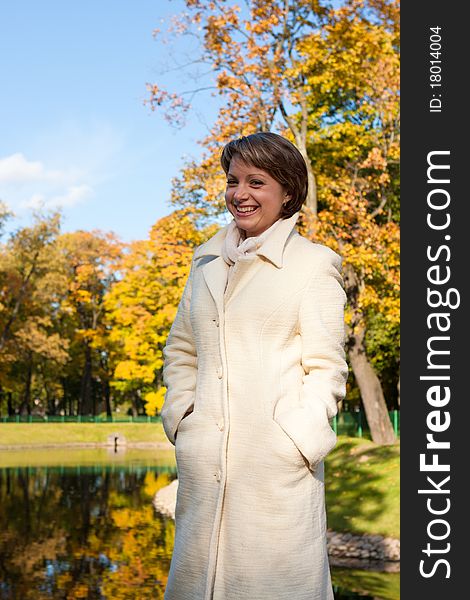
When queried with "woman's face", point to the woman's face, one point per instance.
{"points": [[253, 197]]}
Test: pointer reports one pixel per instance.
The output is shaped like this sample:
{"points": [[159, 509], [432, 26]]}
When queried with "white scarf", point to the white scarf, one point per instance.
{"points": [[235, 246]]}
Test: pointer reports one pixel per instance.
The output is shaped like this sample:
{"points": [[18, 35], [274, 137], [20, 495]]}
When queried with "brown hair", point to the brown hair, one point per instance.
{"points": [[277, 156]]}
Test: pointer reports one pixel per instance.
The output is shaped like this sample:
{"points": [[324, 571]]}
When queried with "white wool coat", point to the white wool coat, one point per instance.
{"points": [[261, 367]]}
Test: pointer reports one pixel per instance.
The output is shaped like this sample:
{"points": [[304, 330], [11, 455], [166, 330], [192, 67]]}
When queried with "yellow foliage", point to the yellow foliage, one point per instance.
{"points": [[141, 306], [154, 401], [80, 591], [154, 482]]}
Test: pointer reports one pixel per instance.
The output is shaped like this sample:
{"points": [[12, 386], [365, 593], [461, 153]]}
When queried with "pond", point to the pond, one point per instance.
{"points": [[81, 524]]}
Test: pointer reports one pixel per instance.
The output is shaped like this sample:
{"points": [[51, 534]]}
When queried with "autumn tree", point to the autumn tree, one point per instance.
{"points": [[253, 52], [29, 297], [90, 260], [24, 260], [4, 216], [330, 76], [353, 66], [143, 303]]}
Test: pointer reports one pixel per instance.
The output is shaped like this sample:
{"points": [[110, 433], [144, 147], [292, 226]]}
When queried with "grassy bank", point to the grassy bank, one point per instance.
{"points": [[47, 434], [363, 487]]}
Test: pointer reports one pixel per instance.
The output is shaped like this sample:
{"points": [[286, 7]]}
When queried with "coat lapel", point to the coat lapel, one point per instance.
{"points": [[244, 271], [215, 274]]}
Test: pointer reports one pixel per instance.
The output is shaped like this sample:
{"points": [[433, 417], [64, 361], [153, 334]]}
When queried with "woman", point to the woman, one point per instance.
{"points": [[254, 368]]}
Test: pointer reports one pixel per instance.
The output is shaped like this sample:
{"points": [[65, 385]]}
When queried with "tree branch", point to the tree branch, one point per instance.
{"points": [[290, 122], [378, 210]]}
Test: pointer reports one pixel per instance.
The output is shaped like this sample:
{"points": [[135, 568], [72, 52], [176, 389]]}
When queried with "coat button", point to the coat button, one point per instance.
{"points": [[219, 373]]}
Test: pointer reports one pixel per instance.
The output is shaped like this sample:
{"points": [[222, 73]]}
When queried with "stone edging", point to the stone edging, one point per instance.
{"points": [[359, 548], [164, 500]]}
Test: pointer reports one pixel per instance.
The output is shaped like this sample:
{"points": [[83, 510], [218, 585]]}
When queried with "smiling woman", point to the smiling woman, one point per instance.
{"points": [[254, 368], [267, 173], [253, 197]]}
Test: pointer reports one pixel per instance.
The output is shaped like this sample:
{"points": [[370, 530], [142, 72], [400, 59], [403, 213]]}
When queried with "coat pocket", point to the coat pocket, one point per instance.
{"points": [[182, 425], [286, 447], [310, 430]]}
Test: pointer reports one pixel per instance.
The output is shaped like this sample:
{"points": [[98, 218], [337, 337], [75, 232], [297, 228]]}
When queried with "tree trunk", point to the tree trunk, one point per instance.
{"points": [[369, 384], [134, 400], [300, 135], [50, 401], [64, 395], [107, 398], [311, 201], [371, 392], [26, 401], [86, 391]]}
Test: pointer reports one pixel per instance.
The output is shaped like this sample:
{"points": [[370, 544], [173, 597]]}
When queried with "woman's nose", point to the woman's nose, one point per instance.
{"points": [[240, 193]]}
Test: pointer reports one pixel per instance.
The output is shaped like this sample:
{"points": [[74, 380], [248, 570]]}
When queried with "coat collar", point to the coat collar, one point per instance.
{"points": [[272, 248]]}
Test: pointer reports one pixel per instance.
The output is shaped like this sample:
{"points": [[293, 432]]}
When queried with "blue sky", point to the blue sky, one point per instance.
{"points": [[74, 131]]}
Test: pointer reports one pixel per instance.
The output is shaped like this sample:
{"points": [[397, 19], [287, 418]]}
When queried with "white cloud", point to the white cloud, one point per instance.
{"points": [[18, 169], [36, 202], [74, 194], [29, 184], [62, 167]]}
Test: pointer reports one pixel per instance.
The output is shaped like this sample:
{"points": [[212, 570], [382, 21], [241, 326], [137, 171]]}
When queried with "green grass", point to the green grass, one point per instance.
{"points": [[363, 487], [47, 434]]}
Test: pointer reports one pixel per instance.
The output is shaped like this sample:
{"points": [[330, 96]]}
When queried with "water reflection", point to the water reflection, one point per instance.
{"points": [[352, 584], [92, 532]]}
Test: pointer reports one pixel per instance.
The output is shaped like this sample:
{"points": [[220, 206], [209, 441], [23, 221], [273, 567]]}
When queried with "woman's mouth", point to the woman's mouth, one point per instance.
{"points": [[245, 211]]}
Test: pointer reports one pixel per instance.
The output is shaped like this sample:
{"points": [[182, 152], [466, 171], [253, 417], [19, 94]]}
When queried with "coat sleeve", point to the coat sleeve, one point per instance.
{"points": [[179, 365], [322, 330]]}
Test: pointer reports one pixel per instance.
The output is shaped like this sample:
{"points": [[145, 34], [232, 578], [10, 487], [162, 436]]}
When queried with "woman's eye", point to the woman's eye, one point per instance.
{"points": [[256, 182], [231, 182]]}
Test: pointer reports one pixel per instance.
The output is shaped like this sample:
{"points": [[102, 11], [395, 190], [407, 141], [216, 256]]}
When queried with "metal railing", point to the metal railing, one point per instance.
{"points": [[354, 423], [80, 419]]}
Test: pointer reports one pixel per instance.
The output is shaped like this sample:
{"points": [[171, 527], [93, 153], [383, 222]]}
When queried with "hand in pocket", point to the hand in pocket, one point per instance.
{"points": [[186, 414]]}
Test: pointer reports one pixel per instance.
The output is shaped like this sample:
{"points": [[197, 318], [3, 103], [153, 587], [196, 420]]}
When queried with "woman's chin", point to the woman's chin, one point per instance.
{"points": [[249, 224], [246, 225]]}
